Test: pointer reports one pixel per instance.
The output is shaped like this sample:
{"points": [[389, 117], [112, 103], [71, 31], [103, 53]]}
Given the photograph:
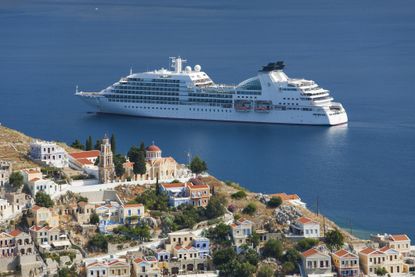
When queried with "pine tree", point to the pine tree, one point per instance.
{"points": [[113, 144], [88, 144]]}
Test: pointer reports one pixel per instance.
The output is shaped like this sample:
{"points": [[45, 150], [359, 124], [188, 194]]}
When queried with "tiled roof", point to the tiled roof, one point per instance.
{"points": [[36, 207], [310, 252], [133, 205], [401, 237], [85, 154], [305, 220], [367, 250], [15, 232], [173, 185], [84, 161], [344, 253], [286, 197], [138, 260]]}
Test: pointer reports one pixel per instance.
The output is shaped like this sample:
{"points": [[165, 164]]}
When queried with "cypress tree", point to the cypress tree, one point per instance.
{"points": [[98, 144], [113, 144], [88, 144], [141, 163]]}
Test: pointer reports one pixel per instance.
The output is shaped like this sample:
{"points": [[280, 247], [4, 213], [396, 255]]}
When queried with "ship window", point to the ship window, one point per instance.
{"points": [[251, 85]]}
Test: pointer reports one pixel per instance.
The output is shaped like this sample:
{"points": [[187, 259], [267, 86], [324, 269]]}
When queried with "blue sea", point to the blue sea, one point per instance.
{"points": [[362, 173]]}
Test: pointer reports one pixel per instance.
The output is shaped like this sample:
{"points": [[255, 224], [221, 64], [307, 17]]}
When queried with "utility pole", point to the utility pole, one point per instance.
{"points": [[324, 226], [350, 225], [317, 206]]}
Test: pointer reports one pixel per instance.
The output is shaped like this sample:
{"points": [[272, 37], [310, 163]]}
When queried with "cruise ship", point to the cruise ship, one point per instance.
{"points": [[189, 93]]}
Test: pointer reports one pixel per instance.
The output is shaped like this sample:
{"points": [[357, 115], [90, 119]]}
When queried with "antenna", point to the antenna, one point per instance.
{"points": [[131, 70], [317, 206], [76, 89], [189, 155]]}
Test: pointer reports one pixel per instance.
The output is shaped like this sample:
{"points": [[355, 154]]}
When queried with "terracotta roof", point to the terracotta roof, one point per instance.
{"points": [[84, 161], [384, 249], [344, 253], [367, 250], [38, 228], [305, 220], [36, 207], [310, 252], [85, 154], [133, 205], [34, 179], [153, 148], [202, 186], [32, 170], [15, 232], [401, 237], [173, 185], [82, 203], [138, 260], [286, 197]]}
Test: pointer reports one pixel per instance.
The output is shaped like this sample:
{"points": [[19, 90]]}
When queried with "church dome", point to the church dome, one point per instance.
{"points": [[153, 148]]}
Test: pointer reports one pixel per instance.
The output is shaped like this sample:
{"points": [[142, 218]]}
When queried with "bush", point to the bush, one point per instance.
{"points": [[288, 268], [274, 202], [219, 234], [16, 180], [239, 195], [305, 244], [94, 218], [265, 271], [98, 243], [215, 207], [232, 208], [273, 249], [334, 239], [250, 209], [42, 199]]}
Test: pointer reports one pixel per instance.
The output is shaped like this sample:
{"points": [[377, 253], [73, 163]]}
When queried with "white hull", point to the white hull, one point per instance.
{"points": [[215, 114]]}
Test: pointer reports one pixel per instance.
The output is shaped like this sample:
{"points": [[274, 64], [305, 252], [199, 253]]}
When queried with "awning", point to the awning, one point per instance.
{"points": [[60, 243]]}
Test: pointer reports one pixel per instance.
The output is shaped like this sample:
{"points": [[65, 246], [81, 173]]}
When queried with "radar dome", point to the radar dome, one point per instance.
{"points": [[197, 68], [188, 69]]}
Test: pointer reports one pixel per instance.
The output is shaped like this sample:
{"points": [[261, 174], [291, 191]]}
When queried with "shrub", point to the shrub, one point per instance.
{"points": [[239, 195], [250, 209], [273, 249], [334, 239], [305, 244], [265, 271], [274, 202]]}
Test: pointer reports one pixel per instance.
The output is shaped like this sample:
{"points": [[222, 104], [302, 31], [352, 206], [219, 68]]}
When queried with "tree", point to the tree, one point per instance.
{"points": [[98, 243], [254, 239], [42, 199], [249, 255], [137, 156], [334, 239], [265, 271], [77, 144], [197, 165], [97, 145], [220, 234], [119, 161], [215, 207], [152, 201], [249, 209], [292, 255], [305, 244], [67, 272], [239, 195], [274, 202], [273, 249], [88, 144], [222, 256], [113, 144], [381, 271], [94, 218], [288, 268], [16, 180]]}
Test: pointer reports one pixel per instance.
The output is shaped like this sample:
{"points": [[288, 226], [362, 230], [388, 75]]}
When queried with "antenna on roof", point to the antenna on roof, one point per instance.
{"points": [[76, 89], [131, 70]]}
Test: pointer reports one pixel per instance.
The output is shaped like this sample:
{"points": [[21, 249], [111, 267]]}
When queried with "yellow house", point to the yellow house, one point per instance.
{"points": [[42, 216], [372, 259], [130, 213], [401, 243]]}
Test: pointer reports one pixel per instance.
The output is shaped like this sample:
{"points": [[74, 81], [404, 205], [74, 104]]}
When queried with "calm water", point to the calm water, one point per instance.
{"points": [[364, 51]]}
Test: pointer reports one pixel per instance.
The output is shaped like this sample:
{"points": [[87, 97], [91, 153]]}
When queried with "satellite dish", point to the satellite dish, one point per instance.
{"points": [[198, 68], [188, 69]]}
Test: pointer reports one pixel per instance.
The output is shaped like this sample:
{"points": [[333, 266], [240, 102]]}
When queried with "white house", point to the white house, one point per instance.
{"points": [[108, 268], [48, 153], [241, 231], [305, 227], [44, 185], [6, 210]]}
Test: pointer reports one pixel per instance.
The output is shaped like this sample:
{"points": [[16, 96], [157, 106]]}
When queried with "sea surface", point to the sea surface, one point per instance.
{"points": [[362, 173]]}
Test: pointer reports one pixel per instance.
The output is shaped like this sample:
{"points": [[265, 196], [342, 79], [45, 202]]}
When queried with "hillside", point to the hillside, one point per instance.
{"points": [[14, 146]]}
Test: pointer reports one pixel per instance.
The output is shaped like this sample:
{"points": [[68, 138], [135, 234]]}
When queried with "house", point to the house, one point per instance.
{"points": [[84, 211], [108, 268], [131, 213], [18, 201], [85, 161], [241, 230], [46, 238], [6, 210], [30, 174], [199, 194], [109, 216], [346, 263], [48, 153], [162, 254], [305, 227], [192, 193], [202, 246], [42, 216], [400, 242], [185, 252], [44, 185], [128, 168], [5, 171], [146, 267], [187, 244], [293, 199], [372, 259], [316, 262]]}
